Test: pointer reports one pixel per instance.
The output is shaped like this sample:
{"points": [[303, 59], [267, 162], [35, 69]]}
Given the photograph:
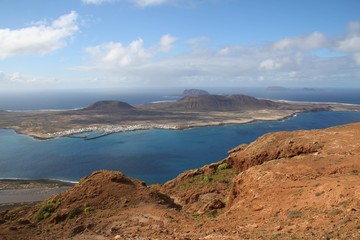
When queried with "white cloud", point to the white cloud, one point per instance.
{"points": [[146, 3], [113, 54], [166, 43], [235, 65], [351, 43], [39, 39], [17, 79], [271, 64], [95, 2], [312, 41], [195, 42]]}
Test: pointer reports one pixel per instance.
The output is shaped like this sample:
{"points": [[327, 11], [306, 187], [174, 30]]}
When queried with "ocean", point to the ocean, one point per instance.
{"points": [[73, 99], [154, 156]]}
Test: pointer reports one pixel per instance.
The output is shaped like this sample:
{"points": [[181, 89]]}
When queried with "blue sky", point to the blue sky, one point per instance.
{"points": [[130, 44]]}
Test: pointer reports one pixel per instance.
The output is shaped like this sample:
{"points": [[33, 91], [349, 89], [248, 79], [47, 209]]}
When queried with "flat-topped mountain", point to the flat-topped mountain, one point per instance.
{"points": [[109, 106], [194, 92], [220, 102]]}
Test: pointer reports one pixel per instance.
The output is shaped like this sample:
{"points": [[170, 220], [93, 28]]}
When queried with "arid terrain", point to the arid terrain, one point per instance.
{"points": [[286, 185], [189, 111]]}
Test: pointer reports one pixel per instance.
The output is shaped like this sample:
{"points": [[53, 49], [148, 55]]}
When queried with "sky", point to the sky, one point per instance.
{"points": [[159, 44]]}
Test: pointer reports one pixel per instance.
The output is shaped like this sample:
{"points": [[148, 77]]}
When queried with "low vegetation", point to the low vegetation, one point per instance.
{"points": [[47, 209], [74, 212], [224, 176], [223, 166], [294, 214]]}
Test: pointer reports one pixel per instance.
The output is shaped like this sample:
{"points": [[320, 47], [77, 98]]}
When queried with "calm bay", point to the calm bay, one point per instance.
{"points": [[153, 156]]}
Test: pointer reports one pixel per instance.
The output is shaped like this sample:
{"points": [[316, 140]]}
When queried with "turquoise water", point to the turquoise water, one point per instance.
{"points": [[154, 156]]}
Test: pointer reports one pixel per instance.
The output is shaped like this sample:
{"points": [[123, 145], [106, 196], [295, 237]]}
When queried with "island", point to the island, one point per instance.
{"points": [[195, 109]]}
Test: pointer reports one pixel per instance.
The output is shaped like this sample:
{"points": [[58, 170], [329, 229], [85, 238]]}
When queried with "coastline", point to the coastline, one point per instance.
{"points": [[111, 129], [106, 130], [19, 192], [13, 183], [82, 123]]}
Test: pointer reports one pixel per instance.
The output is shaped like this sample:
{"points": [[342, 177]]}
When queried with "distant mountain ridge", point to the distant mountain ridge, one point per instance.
{"points": [[220, 102], [194, 102], [194, 92]]}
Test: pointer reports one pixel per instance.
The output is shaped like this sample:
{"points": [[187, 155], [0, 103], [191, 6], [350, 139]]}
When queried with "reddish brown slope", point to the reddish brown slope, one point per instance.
{"points": [[96, 208], [308, 188]]}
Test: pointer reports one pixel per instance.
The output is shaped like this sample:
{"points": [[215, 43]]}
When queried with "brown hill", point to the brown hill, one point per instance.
{"points": [[87, 207], [221, 103], [109, 106], [286, 185]]}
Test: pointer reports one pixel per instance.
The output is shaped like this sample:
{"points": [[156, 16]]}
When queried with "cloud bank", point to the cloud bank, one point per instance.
{"points": [[41, 38], [351, 43], [17, 79], [114, 55], [288, 61], [312, 41]]}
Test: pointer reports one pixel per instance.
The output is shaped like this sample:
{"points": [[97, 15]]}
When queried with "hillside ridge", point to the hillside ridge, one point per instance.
{"points": [[221, 103]]}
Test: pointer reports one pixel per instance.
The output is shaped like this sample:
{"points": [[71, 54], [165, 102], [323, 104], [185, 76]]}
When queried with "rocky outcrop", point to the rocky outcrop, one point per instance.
{"points": [[201, 189], [303, 182], [273, 146]]}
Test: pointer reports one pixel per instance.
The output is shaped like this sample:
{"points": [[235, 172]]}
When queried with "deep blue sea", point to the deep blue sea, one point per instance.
{"points": [[154, 156]]}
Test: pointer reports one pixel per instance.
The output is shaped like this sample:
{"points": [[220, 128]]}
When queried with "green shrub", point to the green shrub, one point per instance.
{"points": [[87, 208], [223, 166], [44, 212], [164, 197], [207, 179], [74, 212]]}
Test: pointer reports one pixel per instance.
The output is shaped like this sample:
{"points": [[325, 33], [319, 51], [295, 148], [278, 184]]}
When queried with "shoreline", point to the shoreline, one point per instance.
{"points": [[138, 127], [20, 192], [106, 130], [45, 125], [24, 183]]}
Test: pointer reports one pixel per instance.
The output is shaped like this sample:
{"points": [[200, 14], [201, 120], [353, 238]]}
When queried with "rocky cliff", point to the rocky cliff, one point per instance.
{"points": [[286, 185]]}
